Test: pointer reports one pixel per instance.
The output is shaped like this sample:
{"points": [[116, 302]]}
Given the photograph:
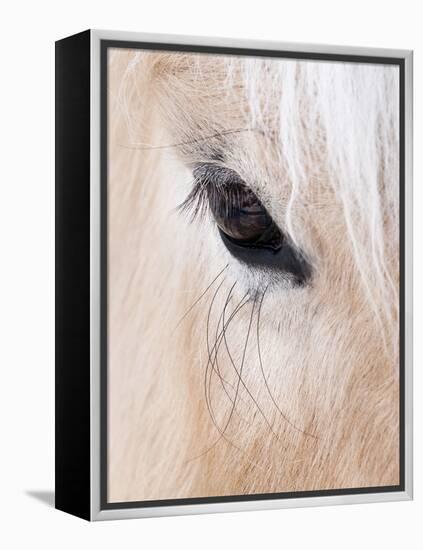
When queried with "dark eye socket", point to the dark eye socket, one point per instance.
{"points": [[245, 226]]}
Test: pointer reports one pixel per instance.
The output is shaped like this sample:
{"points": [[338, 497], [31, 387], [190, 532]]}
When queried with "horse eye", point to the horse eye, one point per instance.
{"points": [[245, 226], [243, 219]]}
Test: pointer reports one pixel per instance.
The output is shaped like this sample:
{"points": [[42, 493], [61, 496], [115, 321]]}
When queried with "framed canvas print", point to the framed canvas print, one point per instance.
{"points": [[233, 275]]}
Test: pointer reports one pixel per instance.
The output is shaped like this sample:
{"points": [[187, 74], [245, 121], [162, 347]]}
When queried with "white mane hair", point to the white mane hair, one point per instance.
{"points": [[351, 113], [318, 142]]}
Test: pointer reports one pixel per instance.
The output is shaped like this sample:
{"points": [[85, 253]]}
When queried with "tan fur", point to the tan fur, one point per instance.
{"points": [[332, 419]]}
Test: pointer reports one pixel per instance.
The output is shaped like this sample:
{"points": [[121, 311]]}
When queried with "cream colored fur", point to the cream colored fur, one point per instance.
{"points": [[318, 142]]}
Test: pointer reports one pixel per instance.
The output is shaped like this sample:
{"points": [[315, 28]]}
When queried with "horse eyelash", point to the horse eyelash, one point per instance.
{"points": [[196, 204], [211, 189]]}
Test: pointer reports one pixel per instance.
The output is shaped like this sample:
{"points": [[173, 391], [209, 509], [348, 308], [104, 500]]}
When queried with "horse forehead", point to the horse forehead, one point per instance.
{"points": [[211, 114]]}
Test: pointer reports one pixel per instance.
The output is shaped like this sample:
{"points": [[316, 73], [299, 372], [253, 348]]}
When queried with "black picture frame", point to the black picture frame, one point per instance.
{"points": [[81, 75]]}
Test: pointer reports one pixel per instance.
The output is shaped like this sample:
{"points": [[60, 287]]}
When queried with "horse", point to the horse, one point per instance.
{"points": [[253, 275]]}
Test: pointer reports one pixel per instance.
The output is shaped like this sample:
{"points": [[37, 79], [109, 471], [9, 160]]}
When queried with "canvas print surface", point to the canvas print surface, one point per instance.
{"points": [[252, 275]]}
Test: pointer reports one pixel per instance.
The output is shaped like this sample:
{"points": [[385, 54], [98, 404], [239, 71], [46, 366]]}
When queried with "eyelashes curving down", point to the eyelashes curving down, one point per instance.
{"points": [[231, 379], [245, 226]]}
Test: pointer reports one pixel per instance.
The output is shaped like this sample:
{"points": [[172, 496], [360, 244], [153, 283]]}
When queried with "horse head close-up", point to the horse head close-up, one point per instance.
{"points": [[253, 283]]}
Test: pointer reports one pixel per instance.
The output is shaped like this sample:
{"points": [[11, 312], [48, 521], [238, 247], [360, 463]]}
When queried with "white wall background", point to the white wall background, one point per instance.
{"points": [[27, 36]]}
